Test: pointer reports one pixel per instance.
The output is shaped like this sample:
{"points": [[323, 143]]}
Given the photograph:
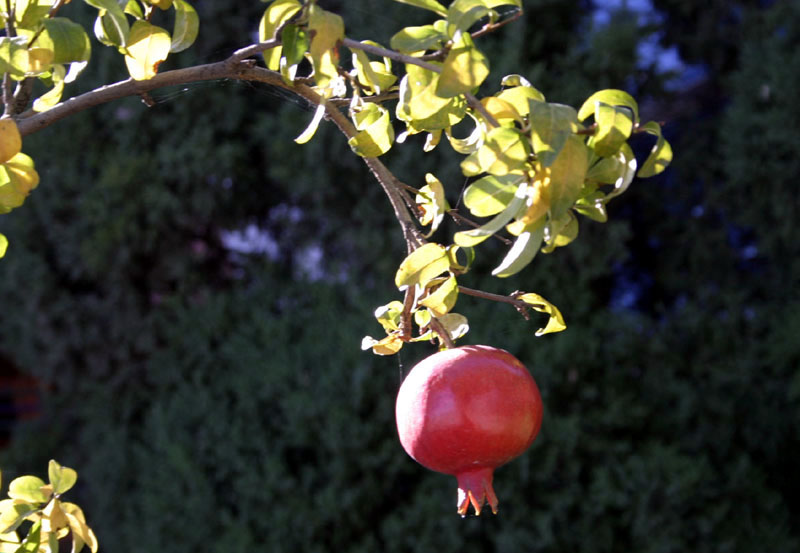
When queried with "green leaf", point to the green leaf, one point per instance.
{"points": [[473, 237], [469, 144], [463, 14], [326, 30], [30, 13], [489, 195], [627, 162], [132, 7], [415, 40], [551, 127], [422, 265], [520, 97], [376, 134], [431, 200], [661, 154], [17, 178], [592, 204], [111, 26], [32, 541], [68, 41], [295, 43], [465, 68], [567, 174], [442, 300], [504, 151], [419, 106], [521, 252], [373, 75], [274, 16], [28, 488], [614, 127], [148, 46], [311, 129], [560, 232], [14, 57], [52, 96], [555, 323], [455, 265], [431, 5], [3, 245], [389, 315], [61, 478], [187, 25], [612, 97]]}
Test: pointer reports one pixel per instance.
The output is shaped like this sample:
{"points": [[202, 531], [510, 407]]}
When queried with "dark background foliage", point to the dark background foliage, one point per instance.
{"points": [[213, 397]]}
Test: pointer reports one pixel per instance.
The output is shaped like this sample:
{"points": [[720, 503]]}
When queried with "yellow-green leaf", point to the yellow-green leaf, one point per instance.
{"points": [[422, 265], [431, 200], [308, 133], [504, 151], [376, 134], [413, 40], [389, 315], [111, 26], [10, 139], [455, 324], [274, 16], [28, 488], [464, 69], [614, 127], [13, 512], [148, 46], [326, 29], [661, 154], [61, 478], [551, 126], [567, 174], [3, 245], [17, 178], [473, 237], [68, 41], [522, 251], [555, 323], [389, 345], [612, 97], [442, 300], [490, 195], [187, 25], [432, 5], [52, 96]]}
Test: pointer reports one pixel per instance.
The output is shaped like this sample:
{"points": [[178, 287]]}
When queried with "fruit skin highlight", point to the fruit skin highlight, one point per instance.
{"points": [[465, 411]]}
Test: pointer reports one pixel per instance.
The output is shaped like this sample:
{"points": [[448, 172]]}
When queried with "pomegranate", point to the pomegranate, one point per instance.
{"points": [[465, 411]]}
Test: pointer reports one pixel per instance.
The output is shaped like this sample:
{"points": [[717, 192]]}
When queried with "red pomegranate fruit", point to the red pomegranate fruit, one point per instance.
{"points": [[465, 411]]}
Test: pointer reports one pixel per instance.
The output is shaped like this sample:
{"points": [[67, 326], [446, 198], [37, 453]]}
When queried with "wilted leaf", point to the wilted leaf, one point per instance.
{"points": [[374, 76], [187, 25], [276, 14], [443, 298], [308, 133], [387, 346], [376, 134], [421, 265], [432, 201], [455, 324], [148, 46], [661, 154], [555, 323]]}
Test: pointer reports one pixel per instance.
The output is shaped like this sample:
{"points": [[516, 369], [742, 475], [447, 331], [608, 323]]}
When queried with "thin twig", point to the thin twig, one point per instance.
{"points": [[492, 27], [441, 331], [512, 300], [253, 49]]}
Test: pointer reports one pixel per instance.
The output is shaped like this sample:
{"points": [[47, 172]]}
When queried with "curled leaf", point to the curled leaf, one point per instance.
{"points": [[555, 323]]}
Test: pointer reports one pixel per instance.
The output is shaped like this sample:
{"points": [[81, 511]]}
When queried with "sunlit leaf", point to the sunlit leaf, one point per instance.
{"points": [[14, 58], [413, 40], [443, 299], [661, 154], [132, 7], [469, 144], [422, 265], [54, 518], [464, 69], [17, 178], [455, 324], [431, 200], [431, 5], [61, 478], [420, 108], [3, 245], [311, 129], [52, 96], [111, 26], [68, 41], [567, 174], [592, 205], [148, 46], [10, 139], [614, 127], [612, 97], [627, 162], [374, 76], [463, 14], [376, 134], [326, 30], [187, 25], [522, 252], [163, 4], [28, 488], [560, 232], [32, 541], [505, 150], [551, 127], [555, 323], [389, 315], [456, 265], [469, 238], [274, 16], [389, 345], [13, 512], [490, 195]]}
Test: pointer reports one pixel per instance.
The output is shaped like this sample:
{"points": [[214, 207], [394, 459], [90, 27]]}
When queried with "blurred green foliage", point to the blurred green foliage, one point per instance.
{"points": [[218, 401]]}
